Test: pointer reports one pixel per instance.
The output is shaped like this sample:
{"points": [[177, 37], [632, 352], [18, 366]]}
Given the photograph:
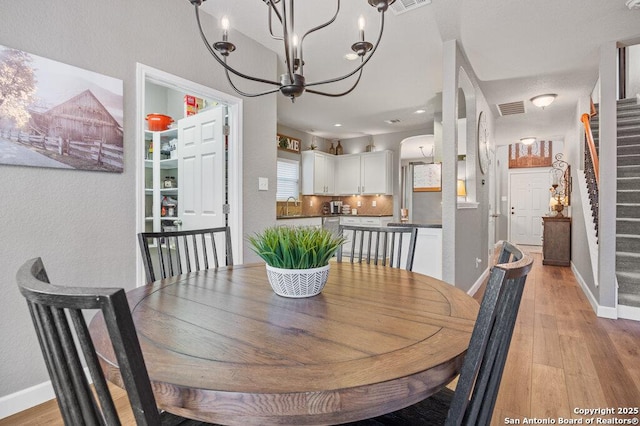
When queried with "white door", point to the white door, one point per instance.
{"points": [[529, 199], [201, 170]]}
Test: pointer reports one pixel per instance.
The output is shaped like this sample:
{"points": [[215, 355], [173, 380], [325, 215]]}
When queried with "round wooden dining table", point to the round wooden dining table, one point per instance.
{"points": [[220, 346]]}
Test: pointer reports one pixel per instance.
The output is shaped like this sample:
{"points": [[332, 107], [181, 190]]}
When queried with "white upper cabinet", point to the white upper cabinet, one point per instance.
{"points": [[376, 173], [348, 174], [318, 173], [368, 173]]}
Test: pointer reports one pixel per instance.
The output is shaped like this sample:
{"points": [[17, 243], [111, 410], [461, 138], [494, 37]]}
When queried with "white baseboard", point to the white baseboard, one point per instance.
{"points": [[476, 286], [607, 312], [26, 398], [601, 311], [629, 312]]}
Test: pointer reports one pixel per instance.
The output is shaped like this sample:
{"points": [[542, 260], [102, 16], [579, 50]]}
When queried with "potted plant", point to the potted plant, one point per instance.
{"points": [[297, 258]]}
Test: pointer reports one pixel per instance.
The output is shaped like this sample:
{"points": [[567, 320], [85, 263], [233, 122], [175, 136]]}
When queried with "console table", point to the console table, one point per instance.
{"points": [[556, 241]]}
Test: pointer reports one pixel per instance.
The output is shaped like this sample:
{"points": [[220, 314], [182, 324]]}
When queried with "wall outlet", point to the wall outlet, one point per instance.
{"points": [[359, 203], [373, 203], [310, 203], [263, 184], [478, 262]]}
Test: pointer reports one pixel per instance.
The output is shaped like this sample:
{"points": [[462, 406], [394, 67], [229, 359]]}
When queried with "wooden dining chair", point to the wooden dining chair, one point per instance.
{"points": [[57, 314], [385, 245], [56, 311], [474, 398], [166, 254]]}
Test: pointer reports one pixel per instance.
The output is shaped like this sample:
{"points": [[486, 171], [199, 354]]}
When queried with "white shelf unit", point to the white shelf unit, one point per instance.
{"points": [[157, 167]]}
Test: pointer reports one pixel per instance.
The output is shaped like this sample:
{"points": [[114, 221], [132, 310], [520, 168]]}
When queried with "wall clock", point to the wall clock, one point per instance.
{"points": [[483, 143]]}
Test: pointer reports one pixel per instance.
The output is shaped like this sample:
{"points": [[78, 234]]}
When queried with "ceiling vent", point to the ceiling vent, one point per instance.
{"points": [[511, 108], [633, 4], [401, 6]]}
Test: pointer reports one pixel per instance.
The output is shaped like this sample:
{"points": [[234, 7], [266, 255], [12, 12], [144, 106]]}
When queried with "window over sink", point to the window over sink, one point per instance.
{"points": [[288, 179]]}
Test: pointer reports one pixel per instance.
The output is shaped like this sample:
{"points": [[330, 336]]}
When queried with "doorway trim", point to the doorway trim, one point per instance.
{"points": [[146, 73]]}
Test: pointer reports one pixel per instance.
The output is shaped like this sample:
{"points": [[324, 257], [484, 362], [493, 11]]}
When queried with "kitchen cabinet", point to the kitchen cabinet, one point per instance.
{"points": [[348, 174], [556, 241], [161, 188], [355, 220], [368, 173], [318, 173], [427, 258], [302, 221], [369, 221]]}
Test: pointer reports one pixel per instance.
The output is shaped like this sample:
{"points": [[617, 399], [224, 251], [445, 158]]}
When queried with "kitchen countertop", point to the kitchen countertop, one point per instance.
{"points": [[305, 216], [416, 225]]}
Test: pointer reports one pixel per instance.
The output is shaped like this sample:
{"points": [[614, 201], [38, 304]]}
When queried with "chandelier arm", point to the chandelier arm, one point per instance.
{"points": [[272, 9], [224, 63], [319, 27], [364, 62], [336, 95], [248, 95], [285, 36]]}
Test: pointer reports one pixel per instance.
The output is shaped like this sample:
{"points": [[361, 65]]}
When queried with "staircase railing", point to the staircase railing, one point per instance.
{"points": [[591, 166]]}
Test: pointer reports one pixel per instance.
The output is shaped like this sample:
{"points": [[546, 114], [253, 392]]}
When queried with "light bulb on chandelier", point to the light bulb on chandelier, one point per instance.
{"points": [[292, 83]]}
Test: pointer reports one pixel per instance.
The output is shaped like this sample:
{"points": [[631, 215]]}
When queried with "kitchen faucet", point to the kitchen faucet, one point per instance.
{"points": [[287, 205]]}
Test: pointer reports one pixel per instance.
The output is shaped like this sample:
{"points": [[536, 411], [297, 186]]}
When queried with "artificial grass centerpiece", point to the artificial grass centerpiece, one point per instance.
{"points": [[295, 247]]}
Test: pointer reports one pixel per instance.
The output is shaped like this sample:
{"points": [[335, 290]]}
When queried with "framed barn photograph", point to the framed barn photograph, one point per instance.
{"points": [[57, 115]]}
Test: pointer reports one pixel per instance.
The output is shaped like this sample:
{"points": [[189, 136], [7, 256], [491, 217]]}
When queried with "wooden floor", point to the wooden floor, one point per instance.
{"points": [[562, 358]]}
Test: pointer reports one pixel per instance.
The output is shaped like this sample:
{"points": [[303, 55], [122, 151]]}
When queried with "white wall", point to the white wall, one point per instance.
{"points": [[83, 223], [465, 231], [633, 71], [607, 156]]}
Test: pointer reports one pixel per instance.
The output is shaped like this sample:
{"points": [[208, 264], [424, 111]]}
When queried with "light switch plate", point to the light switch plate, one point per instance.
{"points": [[373, 203], [263, 184]]}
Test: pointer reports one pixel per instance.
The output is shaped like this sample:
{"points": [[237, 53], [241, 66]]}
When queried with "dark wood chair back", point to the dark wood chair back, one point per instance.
{"points": [[384, 245], [55, 312], [475, 396], [166, 254]]}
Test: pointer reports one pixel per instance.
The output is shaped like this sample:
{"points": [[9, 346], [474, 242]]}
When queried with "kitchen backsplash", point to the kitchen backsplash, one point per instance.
{"points": [[311, 205]]}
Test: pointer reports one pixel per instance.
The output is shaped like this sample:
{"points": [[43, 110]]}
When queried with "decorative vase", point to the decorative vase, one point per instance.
{"points": [[339, 150], [332, 150], [297, 283]]}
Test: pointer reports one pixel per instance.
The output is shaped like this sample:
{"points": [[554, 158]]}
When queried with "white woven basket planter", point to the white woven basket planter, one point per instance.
{"points": [[297, 282]]}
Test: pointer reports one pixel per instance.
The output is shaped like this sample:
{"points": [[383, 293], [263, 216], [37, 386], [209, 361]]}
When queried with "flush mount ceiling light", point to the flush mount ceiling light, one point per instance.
{"points": [[292, 83], [544, 100], [527, 140]]}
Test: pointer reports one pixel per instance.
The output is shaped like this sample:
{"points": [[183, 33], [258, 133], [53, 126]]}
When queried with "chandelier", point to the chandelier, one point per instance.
{"points": [[292, 83]]}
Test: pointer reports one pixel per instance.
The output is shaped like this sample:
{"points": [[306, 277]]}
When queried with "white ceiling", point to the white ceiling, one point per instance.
{"points": [[518, 49]]}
